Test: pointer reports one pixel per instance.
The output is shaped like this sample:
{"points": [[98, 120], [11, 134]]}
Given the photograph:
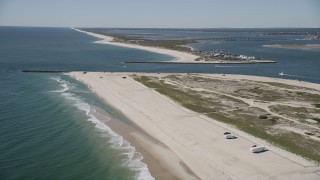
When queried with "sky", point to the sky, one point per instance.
{"points": [[161, 13]]}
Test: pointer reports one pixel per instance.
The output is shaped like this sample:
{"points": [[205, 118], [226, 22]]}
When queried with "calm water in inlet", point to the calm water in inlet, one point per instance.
{"points": [[48, 122]]}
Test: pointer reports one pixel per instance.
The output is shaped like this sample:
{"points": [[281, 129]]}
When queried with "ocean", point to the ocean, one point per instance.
{"points": [[51, 126], [294, 63]]}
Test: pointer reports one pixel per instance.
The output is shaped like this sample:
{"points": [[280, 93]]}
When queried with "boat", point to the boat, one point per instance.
{"points": [[281, 74]]}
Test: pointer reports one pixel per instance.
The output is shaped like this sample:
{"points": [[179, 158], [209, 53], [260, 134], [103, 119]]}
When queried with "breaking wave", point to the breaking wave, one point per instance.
{"points": [[133, 159]]}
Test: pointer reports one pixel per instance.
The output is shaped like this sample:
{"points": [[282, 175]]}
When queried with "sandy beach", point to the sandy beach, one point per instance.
{"points": [[191, 145], [177, 55]]}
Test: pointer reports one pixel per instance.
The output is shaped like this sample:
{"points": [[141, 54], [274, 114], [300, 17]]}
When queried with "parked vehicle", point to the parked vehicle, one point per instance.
{"points": [[230, 136], [258, 149]]}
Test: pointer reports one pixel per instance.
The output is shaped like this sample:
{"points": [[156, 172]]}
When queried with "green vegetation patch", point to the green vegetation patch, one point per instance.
{"points": [[179, 45], [299, 113], [286, 86], [254, 121], [124, 38], [290, 141], [308, 96], [258, 93]]}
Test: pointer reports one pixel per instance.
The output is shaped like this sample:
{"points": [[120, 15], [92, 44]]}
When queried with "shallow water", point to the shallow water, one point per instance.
{"points": [[48, 123]]}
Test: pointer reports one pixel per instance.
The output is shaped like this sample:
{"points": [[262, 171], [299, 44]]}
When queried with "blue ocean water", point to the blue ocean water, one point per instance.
{"points": [[48, 123], [296, 64], [49, 126], [48, 131]]}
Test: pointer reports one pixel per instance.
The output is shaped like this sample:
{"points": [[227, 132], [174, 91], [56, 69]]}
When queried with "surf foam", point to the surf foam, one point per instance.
{"points": [[64, 84], [133, 159]]}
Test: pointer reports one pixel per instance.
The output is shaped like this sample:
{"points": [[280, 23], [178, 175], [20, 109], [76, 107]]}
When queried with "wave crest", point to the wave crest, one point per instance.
{"points": [[133, 159]]}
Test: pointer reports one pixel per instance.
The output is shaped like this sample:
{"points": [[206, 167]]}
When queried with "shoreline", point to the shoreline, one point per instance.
{"points": [[177, 55], [191, 141], [169, 166], [140, 141]]}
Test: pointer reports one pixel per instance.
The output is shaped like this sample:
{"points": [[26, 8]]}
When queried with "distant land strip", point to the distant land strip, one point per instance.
{"points": [[45, 71], [196, 62]]}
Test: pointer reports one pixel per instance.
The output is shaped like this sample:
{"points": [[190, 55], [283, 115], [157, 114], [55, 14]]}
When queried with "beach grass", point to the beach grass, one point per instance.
{"points": [[244, 118], [179, 45], [298, 113]]}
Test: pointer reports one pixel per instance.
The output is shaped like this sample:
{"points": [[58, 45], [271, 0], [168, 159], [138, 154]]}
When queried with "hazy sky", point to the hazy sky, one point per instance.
{"points": [[161, 13]]}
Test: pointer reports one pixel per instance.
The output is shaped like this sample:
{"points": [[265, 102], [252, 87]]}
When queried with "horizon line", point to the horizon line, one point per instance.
{"points": [[159, 27]]}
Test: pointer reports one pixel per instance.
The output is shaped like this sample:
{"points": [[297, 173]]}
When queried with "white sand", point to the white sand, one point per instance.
{"points": [[196, 139], [266, 79], [177, 55]]}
